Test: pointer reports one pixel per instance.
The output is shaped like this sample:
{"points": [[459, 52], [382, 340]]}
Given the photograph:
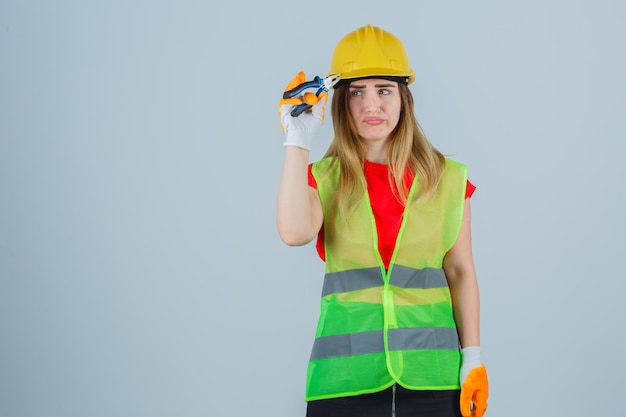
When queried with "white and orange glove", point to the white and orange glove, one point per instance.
{"points": [[301, 130], [474, 383]]}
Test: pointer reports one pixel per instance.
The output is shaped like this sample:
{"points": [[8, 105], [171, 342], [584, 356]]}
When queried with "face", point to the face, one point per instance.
{"points": [[375, 106]]}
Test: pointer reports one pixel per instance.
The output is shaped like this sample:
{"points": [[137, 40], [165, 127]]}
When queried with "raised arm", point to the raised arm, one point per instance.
{"points": [[299, 210]]}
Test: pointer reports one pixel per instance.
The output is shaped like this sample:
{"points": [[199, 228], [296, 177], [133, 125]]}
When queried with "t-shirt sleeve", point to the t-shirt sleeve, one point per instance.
{"points": [[312, 182], [469, 189], [319, 244]]}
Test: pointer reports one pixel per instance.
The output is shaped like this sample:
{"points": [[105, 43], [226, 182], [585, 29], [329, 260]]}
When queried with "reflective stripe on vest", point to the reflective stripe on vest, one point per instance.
{"points": [[372, 342], [378, 326], [346, 281]]}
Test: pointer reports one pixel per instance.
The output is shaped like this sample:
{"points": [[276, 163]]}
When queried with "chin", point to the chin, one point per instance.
{"points": [[371, 138]]}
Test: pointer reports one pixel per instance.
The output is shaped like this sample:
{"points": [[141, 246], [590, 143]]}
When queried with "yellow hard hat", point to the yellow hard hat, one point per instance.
{"points": [[371, 51]]}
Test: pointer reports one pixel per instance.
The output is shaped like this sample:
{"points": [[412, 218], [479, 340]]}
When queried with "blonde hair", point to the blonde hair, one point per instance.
{"points": [[408, 149]]}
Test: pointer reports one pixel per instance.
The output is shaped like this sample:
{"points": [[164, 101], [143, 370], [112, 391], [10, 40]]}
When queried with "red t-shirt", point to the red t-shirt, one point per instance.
{"points": [[386, 208]]}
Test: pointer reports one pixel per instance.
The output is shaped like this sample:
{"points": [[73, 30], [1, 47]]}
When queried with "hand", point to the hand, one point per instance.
{"points": [[301, 130], [474, 383], [474, 393]]}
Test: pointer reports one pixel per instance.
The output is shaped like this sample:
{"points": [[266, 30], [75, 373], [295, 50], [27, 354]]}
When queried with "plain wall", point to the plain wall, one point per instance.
{"points": [[141, 273]]}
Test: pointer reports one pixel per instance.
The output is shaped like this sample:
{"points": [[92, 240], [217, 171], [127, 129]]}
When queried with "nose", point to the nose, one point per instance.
{"points": [[371, 103]]}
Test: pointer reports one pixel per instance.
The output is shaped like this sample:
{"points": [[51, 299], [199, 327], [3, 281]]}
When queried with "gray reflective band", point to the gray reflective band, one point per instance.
{"points": [[352, 280], [423, 338], [348, 344], [372, 342], [402, 276], [405, 277]]}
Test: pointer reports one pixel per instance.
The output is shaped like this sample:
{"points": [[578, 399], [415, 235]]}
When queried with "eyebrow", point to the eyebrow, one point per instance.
{"points": [[386, 85]]}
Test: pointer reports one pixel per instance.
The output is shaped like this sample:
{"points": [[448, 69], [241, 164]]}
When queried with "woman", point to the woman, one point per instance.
{"points": [[398, 334]]}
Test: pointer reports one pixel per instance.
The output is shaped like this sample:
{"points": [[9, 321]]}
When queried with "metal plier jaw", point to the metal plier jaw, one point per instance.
{"points": [[318, 83]]}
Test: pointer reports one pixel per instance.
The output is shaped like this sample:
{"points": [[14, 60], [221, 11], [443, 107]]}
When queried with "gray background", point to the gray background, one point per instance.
{"points": [[141, 273]]}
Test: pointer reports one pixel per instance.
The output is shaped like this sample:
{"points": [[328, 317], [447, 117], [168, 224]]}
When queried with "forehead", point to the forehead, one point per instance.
{"points": [[372, 82]]}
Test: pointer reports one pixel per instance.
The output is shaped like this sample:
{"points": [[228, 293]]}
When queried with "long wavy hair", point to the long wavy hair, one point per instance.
{"points": [[408, 149]]}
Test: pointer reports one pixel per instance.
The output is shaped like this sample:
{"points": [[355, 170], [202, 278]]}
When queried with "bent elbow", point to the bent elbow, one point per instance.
{"points": [[293, 242], [292, 237]]}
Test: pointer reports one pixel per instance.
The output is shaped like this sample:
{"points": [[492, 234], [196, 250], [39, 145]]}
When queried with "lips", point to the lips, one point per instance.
{"points": [[373, 120]]}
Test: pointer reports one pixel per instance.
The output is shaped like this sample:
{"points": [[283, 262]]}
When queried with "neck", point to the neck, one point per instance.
{"points": [[376, 152]]}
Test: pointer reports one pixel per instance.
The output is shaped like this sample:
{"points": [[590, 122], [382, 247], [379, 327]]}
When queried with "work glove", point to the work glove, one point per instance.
{"points": [[474, 383], [300, 130]]}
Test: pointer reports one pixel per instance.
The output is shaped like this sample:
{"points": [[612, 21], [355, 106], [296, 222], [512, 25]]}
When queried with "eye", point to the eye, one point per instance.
{"points": [[356, 93], [384, 92]]}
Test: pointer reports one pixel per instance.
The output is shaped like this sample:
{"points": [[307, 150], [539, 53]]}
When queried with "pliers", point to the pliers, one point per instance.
{"points": [[322, 85]]}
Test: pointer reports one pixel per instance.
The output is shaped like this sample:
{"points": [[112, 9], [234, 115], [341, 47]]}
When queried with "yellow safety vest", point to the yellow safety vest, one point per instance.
{"points": [[377, 326]]}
